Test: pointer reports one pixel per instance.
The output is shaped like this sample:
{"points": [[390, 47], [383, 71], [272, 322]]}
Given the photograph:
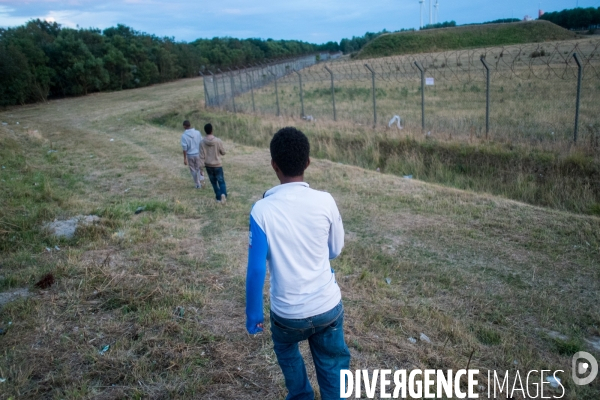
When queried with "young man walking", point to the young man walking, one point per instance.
{"points": [[297, 230], [190, 143], [211, 150]]}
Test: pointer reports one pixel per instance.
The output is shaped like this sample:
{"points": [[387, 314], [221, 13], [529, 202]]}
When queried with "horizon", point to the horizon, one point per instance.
{"points": [[263, 20]]}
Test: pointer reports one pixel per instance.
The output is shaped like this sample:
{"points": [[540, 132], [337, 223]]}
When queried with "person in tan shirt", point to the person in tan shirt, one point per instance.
{"points": [[211, 150]]}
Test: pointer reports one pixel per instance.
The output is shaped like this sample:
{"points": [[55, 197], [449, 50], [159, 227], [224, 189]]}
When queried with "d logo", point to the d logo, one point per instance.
{"points": [[582, 368]]}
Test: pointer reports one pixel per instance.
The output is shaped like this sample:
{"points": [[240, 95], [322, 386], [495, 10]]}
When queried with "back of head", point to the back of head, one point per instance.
{"points": [[208, 129], [186, 124], [290, 151]]}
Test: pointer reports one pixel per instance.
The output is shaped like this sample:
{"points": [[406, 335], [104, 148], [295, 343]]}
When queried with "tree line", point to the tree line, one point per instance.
{"points": [[348, 46], [575, 18], [42, 60], [445, 24]]}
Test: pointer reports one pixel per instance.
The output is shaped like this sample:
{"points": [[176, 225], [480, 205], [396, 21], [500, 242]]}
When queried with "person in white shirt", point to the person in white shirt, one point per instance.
{"points": [[190, 143], [296, 230]]}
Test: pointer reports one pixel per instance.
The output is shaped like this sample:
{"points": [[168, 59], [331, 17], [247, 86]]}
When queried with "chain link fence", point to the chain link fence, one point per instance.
{"points": [[539, 92]]}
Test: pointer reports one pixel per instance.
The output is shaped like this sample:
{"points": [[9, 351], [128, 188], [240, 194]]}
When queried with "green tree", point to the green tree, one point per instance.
{"points": [[78, 71]]}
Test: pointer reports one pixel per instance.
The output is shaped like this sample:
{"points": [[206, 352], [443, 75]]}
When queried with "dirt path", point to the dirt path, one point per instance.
{"points": [[164, 289]]}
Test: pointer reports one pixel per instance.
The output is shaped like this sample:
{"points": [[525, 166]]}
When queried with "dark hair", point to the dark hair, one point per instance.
{"points": [[186, 123], [290, 150], [208, 129]]}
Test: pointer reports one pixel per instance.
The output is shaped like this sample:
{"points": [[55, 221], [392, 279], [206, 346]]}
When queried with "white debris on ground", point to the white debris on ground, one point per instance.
{"points": [[424, 338], [397, 119], [554, 381], [66, 228]]}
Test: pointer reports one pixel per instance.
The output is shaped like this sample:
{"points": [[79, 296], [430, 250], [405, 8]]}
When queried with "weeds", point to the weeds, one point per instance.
{"points": [[566, 180], [164, 289]]}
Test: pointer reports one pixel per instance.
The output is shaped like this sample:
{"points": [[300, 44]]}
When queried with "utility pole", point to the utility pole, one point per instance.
{"points": [[430, 21]]}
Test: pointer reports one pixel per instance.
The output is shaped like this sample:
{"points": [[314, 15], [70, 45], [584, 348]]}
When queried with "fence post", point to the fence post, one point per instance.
{"points": [[487, 96], [374, 102], [241, 84], [276, 94], [420, 67], [332, 92], [232, 89], [223, 80], [261, 80], [251, 91], [216, 88], [301, 97], [205, 91], [579, 75]]}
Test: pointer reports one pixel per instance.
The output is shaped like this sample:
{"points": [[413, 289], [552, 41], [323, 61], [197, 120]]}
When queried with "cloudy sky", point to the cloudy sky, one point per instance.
{"points": [[315, 21]]}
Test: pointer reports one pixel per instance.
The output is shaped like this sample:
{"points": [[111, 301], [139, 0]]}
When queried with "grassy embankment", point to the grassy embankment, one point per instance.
{"points": [[514, 285], [532, 96], [464, 37], [562, 178]]}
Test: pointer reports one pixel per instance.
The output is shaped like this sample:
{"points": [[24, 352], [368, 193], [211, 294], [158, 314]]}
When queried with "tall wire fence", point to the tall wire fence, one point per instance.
{"points": [[542, 92]]}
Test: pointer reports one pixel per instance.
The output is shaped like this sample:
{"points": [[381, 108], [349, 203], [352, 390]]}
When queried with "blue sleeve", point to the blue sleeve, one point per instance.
{"points": [[255, 277]]}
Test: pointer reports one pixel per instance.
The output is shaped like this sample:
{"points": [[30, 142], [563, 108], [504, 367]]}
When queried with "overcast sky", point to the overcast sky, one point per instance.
{"points": [[315, 21]]}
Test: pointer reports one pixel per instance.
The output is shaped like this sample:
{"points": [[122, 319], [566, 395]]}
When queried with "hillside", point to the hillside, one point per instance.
{"points": [[461, 37]]}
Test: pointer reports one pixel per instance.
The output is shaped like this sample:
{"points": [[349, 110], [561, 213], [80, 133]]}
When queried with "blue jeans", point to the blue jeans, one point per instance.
{"points": [[325, 334], [217, 181]]}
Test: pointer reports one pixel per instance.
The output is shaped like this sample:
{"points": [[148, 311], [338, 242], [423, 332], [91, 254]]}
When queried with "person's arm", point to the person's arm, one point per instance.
{"points": [[255, 277], [184, 147], [221, 148], [336, 234], [202, 155]]}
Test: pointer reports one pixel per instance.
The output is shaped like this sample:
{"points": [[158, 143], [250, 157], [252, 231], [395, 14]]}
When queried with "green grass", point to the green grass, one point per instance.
{"points": [[548, 178], [34, 188], [479, 275], [463, 37]]}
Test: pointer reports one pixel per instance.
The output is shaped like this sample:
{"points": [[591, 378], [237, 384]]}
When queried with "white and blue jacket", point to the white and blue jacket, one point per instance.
{"points": [[190, 142], [297, 230]]}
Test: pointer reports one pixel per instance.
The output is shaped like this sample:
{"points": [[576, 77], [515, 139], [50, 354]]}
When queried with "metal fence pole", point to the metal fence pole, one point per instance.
{"points": [[301, 96], [420, 67], [374, 101], [579, 76], [216, 88], [205, 90], [487, 97], [276, 94], [254, 70], [332, 92], [232, 89], [251, 91], [241, 90], [223, 80], [260, 74]]}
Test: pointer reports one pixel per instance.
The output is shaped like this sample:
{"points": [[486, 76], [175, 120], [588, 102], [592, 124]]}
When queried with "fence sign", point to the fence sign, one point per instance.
{"points": [[429, 81]]}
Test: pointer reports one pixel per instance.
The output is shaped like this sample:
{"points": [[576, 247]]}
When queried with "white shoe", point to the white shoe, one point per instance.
{"points": [[223, 199]]}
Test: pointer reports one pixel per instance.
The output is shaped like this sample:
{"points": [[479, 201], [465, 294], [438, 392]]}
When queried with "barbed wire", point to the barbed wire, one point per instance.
{"points": [[545, 61], [549, 62]]}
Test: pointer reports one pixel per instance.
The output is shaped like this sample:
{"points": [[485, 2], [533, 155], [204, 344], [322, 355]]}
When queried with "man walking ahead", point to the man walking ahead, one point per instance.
{"points": [[211, 151], [190, 143], [298, 230]]}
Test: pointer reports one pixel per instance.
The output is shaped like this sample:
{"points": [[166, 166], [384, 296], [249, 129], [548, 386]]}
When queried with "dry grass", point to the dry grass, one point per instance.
{"points": [[532, 99], [165, 288]]}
